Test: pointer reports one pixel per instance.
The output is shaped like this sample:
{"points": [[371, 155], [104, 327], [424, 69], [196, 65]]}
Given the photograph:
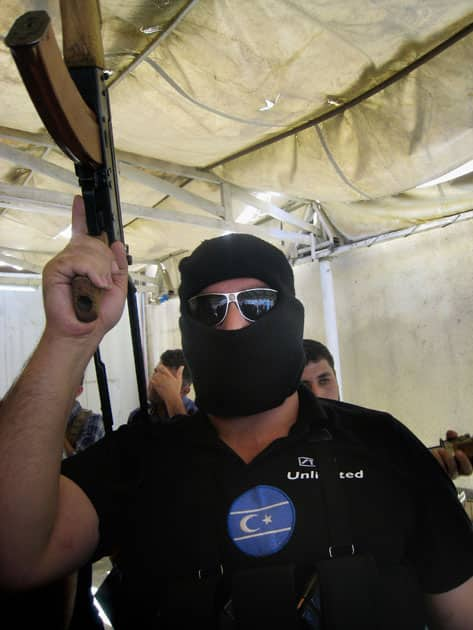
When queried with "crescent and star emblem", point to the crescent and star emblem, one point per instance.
{"points": [[244, 523], [261, 521]]}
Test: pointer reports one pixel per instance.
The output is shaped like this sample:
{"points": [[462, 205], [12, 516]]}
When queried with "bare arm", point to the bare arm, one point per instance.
{"points": [[48, 525], [168, 386], [70, 450], [452, 610]]}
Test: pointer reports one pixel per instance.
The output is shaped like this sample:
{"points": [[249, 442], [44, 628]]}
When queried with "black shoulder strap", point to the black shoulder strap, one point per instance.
{"points": [[348, 579], [340, 534], [265, 598]]}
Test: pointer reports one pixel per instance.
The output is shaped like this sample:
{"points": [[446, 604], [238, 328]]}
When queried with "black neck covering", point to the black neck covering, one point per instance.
{"points": [[246, 371]]}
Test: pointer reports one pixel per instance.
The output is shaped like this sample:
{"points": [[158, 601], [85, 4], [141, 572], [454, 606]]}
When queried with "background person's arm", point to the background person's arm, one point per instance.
{"points": [[168, 385], [68, 448], [454, 464]]}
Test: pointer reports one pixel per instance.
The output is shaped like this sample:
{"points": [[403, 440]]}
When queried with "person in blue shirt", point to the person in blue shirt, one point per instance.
{"points": [[168, 389], [84, 427]]}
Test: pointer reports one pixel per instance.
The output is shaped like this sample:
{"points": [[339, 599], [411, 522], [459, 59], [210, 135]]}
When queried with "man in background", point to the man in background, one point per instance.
{"points": [[168, 389], [320, 377]]}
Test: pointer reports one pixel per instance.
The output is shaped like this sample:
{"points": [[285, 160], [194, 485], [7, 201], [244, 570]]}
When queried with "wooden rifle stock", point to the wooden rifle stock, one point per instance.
{"points": [[72, 100], [73, 104]]}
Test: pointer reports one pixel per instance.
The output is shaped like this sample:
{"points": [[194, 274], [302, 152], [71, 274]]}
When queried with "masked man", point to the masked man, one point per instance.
{"points": [[266, 509]]}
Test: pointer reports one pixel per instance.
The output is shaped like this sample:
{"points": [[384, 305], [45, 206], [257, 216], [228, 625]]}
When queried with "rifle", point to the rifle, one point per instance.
{"points": [[71, 98]]}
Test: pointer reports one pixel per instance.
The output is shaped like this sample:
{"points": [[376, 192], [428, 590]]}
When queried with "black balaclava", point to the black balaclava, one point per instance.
{"points": [[246, 371]]}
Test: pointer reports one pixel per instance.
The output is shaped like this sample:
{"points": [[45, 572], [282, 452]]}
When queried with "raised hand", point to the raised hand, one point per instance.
{"points": [[106, 267]]}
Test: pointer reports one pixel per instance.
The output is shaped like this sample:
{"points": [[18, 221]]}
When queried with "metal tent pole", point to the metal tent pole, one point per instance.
{"points": [[330, 316]]}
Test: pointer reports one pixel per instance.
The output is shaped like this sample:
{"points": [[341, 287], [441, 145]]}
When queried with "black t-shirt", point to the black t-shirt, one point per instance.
{"points": [[180, 507]]}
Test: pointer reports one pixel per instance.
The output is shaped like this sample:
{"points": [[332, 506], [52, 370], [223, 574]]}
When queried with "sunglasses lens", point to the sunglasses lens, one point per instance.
{"points": [[211, 308], [208, 309], [257, 302]]}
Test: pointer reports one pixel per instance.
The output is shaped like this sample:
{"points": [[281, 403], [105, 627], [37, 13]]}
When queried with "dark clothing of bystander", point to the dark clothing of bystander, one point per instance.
{"points": [[136, 415]]}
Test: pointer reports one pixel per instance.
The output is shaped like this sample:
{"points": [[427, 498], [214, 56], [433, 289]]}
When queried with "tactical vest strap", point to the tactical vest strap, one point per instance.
{"points": [[349, 580], [265, 598], [192, 602], [340, 535], [348, 588]]}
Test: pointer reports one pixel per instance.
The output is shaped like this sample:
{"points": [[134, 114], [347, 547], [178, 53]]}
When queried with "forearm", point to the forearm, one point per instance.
{"points": [[68, 448], [452, 610], [32, 424], [175, 406]]}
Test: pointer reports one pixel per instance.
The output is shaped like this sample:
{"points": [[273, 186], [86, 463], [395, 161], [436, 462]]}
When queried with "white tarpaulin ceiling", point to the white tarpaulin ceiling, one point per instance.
{"points": [[343, 108]]}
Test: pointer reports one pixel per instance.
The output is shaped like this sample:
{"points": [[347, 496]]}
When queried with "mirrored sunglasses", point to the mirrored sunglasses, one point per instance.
{"points": [[212, 308]]}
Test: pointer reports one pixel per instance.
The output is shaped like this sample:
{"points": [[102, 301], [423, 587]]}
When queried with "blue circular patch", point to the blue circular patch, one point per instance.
{"points": [[261, 521]]}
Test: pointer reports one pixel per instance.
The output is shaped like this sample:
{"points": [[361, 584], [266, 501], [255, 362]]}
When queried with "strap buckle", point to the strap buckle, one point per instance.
{"points": [[204, 574], [341, 550]]}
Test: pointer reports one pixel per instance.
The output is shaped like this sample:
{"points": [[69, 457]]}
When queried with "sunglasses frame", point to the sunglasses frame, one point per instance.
{"points": [[232, 296]]}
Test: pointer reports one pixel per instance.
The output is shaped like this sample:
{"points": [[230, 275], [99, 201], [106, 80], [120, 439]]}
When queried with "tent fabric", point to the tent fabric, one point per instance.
{"points": [[196, 83]]}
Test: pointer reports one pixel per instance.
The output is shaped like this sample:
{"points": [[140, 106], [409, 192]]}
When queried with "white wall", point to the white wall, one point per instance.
{"points": [[162, 329], [21, 325], [405, 315], [116, 351]]}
